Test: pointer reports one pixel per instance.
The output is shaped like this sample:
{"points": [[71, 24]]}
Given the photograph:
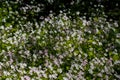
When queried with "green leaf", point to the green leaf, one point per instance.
{"points": [[115, 57]]}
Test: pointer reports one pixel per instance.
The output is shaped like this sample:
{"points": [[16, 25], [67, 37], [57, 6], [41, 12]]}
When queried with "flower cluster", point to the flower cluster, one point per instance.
{"points": [[60, 49]]}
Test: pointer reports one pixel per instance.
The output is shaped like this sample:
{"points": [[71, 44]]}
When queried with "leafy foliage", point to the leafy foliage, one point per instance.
{"points": [[57, 47]]}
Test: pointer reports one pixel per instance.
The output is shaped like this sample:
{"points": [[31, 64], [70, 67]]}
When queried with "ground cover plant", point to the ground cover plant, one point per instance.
{"points": [[58, 48]]}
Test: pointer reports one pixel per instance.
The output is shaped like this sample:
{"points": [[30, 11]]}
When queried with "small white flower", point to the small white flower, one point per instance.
{"points": [[60, 22], [84, 22], [8, 47], [116, 24], [65, 18], [2, 27], [90, 71], [8, 79], [77, 12], [4, 20], [26, 78], [99, 74], [6, 73], [65, 78], [100, 43], [59, 70], [44, 75], [93, 42]]}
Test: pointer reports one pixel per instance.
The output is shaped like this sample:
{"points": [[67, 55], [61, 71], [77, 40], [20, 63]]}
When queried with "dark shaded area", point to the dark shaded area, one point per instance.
{"points": [[93, 8], [86, 8]]}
